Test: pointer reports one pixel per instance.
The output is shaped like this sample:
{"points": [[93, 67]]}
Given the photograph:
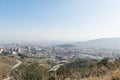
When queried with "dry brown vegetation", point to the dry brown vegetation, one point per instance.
{"points": [[87, 69], [6, 64], [32, 69], [92, 71], [112, 75]]}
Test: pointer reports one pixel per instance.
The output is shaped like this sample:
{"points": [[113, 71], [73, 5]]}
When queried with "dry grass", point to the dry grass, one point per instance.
{"points": [[7, 60], [113, 75], [6, 64]]}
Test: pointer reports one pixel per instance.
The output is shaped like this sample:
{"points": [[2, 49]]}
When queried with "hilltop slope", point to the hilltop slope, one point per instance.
{"points": [[6, 64]]}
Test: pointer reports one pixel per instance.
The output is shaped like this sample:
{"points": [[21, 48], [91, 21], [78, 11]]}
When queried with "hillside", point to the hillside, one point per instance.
{"points": [[90, 70], [108, 43], [112, 75], [6, 64]]}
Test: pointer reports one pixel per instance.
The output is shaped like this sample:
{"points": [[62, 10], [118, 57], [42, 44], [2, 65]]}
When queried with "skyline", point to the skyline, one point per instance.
{"points": [[59, 20]]}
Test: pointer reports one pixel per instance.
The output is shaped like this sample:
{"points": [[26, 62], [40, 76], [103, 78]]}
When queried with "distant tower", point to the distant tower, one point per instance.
{"points": [[19, 50], [53, 51], [36, 49], [29, 49], [1, 50]]}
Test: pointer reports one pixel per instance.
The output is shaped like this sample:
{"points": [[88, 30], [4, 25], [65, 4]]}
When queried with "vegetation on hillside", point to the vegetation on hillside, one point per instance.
{"points": [[32, 71], [6, 64], [87, 68], [80, 69]]}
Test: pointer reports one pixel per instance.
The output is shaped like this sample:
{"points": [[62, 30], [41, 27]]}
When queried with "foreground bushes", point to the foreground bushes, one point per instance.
{"points": [[76, 70], [32, 71], [84, 68]]}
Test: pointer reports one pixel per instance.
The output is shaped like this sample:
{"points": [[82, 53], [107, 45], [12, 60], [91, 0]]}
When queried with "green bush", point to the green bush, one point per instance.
{"points": [[29, 72]]}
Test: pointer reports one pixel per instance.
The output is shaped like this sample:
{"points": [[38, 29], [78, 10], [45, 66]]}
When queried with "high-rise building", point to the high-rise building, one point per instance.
{"points": [[1, 50]]}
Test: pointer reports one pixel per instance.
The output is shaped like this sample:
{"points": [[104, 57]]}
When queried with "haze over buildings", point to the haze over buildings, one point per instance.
{"points": [[59, 19]]}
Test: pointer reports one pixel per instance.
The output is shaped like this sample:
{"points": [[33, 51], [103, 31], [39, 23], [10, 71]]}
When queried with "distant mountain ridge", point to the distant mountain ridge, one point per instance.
{"points": [[110, 43], [66, 45]]}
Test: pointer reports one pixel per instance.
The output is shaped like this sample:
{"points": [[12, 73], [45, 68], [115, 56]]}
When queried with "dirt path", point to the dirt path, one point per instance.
{"points": [[15, 66]]}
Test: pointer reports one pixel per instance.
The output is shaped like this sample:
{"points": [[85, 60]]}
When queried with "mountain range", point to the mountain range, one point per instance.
{"points": [[108, 43]]}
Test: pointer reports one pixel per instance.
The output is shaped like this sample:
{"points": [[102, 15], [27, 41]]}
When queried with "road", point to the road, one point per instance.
{"points": [[55, 68]]}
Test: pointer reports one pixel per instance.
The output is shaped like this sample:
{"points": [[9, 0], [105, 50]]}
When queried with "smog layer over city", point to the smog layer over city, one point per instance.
{"points": [[59, 40]]}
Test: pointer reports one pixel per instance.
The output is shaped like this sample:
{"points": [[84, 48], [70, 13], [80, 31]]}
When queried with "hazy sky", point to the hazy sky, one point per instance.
{"points": [[59, 19]]}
